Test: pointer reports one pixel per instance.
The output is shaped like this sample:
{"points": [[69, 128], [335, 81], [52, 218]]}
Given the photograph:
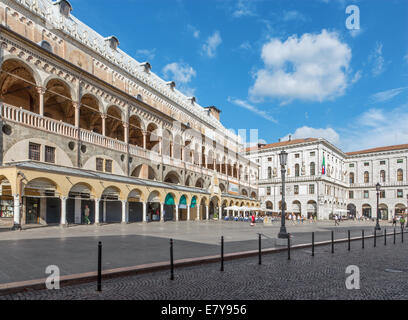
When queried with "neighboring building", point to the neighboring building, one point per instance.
{"points": [[83, 123], [321, 179]]}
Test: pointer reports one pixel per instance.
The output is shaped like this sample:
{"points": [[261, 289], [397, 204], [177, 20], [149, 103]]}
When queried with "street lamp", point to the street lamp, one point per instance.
{"points": [[283, 157], [378, 187]]}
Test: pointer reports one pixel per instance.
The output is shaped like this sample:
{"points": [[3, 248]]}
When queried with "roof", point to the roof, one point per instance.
{"points": [[281, 144], [379, 149]]}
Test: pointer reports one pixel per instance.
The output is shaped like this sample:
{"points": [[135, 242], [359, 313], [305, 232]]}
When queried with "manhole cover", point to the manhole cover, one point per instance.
{"points": [[393, 270]]}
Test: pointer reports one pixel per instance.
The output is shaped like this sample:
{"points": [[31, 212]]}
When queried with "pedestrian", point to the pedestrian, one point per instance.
{"points": [[394, 221], [402, 222], [86, 213], [253, 220], [298, 219], [336, 222]]}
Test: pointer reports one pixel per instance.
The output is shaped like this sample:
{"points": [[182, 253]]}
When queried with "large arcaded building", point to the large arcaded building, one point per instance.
{"points": [[84, 124]]}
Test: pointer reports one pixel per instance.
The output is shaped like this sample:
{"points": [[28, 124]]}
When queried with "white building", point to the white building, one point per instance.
{"points": [[348, 181]]}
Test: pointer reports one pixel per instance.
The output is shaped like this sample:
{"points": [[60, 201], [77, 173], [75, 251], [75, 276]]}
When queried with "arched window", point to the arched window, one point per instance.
{"points": [[297, 170], [312, 169], [400, 175], [366, 177], [382, 176], [351, 177], [269, 172]]}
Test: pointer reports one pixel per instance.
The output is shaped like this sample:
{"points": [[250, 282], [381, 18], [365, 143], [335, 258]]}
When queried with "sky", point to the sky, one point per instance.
{"points": [[333, 69]]}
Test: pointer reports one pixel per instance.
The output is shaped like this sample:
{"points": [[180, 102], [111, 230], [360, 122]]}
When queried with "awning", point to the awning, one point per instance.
{"points": [[193, 202], [169, 200]]}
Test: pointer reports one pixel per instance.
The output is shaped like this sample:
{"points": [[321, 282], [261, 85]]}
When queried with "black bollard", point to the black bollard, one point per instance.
{"points": [[260, 250], [402, 235], [375, 238], [385, 237], [332, 241], [313, 244], [222, 253], [288, 246], [362, 239], [349, 240], [395, 233], [171, 260], [99, 279]]}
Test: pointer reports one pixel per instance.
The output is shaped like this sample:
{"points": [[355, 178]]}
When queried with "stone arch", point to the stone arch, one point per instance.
{"points": [[136, 194], [297, 207], [269, 205], [383, 208], [144, 171], [112, 192], [114, 123], [18, 85], [222, 187], [188, 181], [152, 137], [244, 192], [253, 195], [136, 131], [37, 186], [90, 116], [58, 101], [399, 209], [72, 91], [83, 190], [199, 183], [7, 186], [167, 140], [177, 147], [172, 177], [366, 210], [155, 196]]}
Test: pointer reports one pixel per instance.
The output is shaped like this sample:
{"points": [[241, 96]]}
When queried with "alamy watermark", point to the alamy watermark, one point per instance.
{"points": [[353, 20], [353, 280], [53, 280]]}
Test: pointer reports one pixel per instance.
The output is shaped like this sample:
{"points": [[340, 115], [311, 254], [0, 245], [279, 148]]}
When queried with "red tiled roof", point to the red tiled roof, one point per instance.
{"points": [[388, 148], [281, 144]]}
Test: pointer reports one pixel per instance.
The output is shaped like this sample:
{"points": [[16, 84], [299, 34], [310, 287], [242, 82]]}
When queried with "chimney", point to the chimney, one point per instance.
{"points": [[214, 111], [290, 137], [113, 42], [64, 6], [279, 140]]}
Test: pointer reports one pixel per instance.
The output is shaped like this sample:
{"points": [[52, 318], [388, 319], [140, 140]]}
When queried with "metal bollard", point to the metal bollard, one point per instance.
{"points": [[288, 246], [313, 240], [375, 238], [402, 235], [99, 279], [395, 234], [362, 238], [260, 250], [385, 237], [222, 253], [332, 241], [349, 240], [171, 260]]}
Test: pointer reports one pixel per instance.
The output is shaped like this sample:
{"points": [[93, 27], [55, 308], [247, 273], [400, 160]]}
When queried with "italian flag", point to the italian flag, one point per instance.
{"points": [[324, 166]]}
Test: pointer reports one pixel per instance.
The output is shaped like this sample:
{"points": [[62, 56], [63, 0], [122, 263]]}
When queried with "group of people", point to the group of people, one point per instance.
{"points": [[401, 221]]}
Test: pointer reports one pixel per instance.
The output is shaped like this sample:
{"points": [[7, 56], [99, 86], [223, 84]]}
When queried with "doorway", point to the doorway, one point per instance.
{"points": [[32, 210]]}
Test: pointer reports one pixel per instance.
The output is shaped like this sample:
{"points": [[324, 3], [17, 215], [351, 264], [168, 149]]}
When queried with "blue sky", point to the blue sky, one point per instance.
{"points": [[280, 66]]}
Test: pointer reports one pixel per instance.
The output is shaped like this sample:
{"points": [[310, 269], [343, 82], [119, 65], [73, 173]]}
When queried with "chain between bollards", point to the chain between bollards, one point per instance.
{"points": [[313, 240], [99, 279], [260, 250], [362, 238], [171, 260], [288, 246], [222, 253], [349, 240], [332, 242]]}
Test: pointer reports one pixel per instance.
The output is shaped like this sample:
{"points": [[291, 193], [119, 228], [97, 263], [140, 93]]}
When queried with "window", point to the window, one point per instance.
{"points": [[382, 162], [297, 170], [351, 177], [297, 155], [366, 195], [351, 194], [296, 189], [108, 165], [257, 160], [366, 177], [382, 176], [312, 154], [400, 193], [400, 175], [99, 164], [269, 159], [269, 173], [49, 154], [351, 165], [312, 169], [400, 161], [311, 188], [366, 164], [382, 194], [268, 191], [34, 151]]}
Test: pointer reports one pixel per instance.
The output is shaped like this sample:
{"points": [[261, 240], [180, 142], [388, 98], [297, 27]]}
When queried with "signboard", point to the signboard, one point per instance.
{"points": [[233, 188]]}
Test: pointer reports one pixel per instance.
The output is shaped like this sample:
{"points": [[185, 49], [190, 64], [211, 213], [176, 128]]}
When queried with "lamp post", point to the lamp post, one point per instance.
{"points": [[283, 157], [378, 187]]}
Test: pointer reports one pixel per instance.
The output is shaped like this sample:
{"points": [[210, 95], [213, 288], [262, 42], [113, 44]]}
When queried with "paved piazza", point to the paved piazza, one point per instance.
{"points": [[24, 255], [303, 277]]}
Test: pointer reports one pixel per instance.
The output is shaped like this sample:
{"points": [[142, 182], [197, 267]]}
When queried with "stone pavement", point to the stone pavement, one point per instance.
{"points": [[24, 255], [383, 271]]}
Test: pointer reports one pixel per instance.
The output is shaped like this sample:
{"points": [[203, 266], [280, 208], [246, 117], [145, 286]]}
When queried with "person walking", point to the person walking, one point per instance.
{"points": [[402, 222], [86, 214], [394, 221], [253, 220], [336, 222]]}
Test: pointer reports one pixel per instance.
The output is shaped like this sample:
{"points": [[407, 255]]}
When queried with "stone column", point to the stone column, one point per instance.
{"points": [[104, 210], [162, 212], [198, 213], [126, 131], [177, 213], [188, 213], [207, 212], [144, 139], [97, 218], [219, 213], [41, 91], [160, 145], [63, 211], [17, 209], [144, 206], [125, 213], [77, 113], [104, 116]]}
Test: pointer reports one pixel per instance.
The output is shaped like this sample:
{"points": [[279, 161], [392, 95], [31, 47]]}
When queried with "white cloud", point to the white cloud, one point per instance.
{"points": [[293, 15], [307, 132], [357, 76], [245, 45], [356, 32], [246, 105], [406, 58], [243, 8], [179, 72], [313, 67], [146, 54], [388, 94], [195, 32], [377, 60], [188, 91], [210, 46]]}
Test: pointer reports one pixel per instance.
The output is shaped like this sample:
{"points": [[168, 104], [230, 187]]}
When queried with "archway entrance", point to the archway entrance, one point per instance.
{"points": [[135, 206], [169, 208], [78, 199], [352, 210], [193, 209], [400, 209], [383, 208], [111, 206], [182, 208], [367, 211], [153, 207]]}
